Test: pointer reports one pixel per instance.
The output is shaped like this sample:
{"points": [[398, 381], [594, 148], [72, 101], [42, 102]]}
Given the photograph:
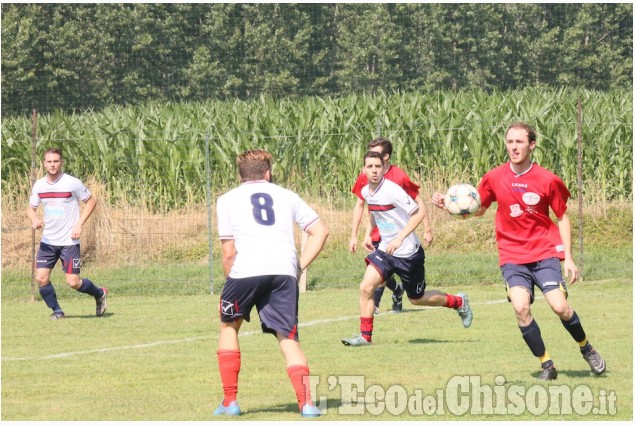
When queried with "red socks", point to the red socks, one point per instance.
{"points": [[366, 328], [452, 301], [302, 392], [229, 366]]}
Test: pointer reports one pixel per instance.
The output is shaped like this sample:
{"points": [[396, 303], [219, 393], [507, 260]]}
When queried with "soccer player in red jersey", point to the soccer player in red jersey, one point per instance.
{"points": [[397, 215], [531, 246], [261, 265], [397, 175], [60, 194]]}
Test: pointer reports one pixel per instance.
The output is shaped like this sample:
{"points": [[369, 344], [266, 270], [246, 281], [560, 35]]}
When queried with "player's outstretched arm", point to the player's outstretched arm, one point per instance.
{"points": [[438, 200], [318, 232]]}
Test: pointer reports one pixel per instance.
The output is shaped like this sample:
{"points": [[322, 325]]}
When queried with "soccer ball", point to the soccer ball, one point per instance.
{"points": [[462, 201]]}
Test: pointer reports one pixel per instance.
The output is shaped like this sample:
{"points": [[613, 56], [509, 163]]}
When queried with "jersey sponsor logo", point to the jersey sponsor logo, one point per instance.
{"points": [[559, 248], [531, 198], [53, 211], [227, 308], [519, 185], [515, 210]]}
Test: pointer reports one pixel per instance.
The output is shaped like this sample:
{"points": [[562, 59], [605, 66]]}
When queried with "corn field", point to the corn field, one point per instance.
{"points": [[155, 154]]}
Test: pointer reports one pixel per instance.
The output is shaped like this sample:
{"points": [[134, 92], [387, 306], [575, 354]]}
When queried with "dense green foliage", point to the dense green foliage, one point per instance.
{"points": [[156, 152], [79, 56]]}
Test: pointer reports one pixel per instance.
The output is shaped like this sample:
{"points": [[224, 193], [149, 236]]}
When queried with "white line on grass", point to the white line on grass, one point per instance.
{"points": [[201, 338]]}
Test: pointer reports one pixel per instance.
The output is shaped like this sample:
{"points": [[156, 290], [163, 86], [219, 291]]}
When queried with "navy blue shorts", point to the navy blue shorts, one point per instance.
{"points": [[275, 298], [48, 255], [411, 270], [545, 274]]}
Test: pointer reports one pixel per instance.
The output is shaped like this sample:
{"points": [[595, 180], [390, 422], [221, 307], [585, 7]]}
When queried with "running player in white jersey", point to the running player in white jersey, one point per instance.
{"points": [[396, 215], [60, 194], [256, 227]]}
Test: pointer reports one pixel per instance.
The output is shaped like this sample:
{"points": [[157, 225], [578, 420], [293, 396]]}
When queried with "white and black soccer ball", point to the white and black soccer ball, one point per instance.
{"points": [[462, 201]]}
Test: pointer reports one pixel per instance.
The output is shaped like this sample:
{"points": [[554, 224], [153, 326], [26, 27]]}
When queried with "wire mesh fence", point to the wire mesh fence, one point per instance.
{"points": [[151, 103]]}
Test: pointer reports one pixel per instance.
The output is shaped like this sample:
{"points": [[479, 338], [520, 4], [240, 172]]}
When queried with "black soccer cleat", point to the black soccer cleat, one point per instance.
{"points": [[595, 361], [548, 374]]}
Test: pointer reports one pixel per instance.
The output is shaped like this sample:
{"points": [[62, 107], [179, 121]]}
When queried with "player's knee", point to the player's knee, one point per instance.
{"points": [[523, 312], [42, 280], [367, 288], [563, 310], [74, 281]]}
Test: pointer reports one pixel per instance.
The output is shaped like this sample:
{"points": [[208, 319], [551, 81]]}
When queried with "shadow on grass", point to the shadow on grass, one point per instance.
{"points": [[438, 341], [575, 374], [87, 316], [331, 403]]}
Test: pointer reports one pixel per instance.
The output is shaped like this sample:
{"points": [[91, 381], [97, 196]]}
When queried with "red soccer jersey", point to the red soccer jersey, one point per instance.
{"points": [[394, 174], [524, 231]]}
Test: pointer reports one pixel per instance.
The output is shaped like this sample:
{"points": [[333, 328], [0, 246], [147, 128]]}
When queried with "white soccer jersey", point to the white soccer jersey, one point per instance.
{"points": [[391, 208], [260, 216], [61, 207]]}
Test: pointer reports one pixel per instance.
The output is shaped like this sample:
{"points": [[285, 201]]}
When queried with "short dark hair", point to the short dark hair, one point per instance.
{"points": [[57, 151], [253, 164], [373, 154], [529, 129], [386, 145]]}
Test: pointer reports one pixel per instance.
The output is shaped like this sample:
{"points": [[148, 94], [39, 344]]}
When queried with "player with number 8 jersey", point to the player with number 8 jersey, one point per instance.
{"points": [[256, 227], [247, 215]]}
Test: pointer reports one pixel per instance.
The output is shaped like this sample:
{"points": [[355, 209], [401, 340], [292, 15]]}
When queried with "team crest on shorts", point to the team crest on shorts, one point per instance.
{"points": [[76, 263], [227, 308]]}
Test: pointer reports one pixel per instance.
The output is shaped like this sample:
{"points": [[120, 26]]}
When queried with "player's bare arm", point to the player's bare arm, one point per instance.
{"points": [[415, 219], [89, 207], [368, 240], [427, 229], [228, 255], [318, 232], [438, 200], [569, 267], [358, 211], [31, 213]]}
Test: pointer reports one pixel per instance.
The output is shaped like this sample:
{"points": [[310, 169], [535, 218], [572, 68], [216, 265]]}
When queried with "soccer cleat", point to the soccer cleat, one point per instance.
{"points": [[397, 300], [465, 311], [101, 303], [58, 315], [548, 374], [356, 341], [231, 410], [593, 358], [310, 411]]}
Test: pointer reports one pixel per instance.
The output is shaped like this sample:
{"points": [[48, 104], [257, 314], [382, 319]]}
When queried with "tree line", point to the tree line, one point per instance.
{"points": [[79, 56]]}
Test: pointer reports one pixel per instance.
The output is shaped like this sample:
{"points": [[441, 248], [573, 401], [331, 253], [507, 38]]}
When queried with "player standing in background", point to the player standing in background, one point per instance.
{"points": [[261, 265], [397, 175], [60, 194], [530, 245], [397, 216]]}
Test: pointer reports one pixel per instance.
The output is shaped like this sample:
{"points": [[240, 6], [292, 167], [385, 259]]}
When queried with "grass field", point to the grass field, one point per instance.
{"points": [[153, 358]]}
